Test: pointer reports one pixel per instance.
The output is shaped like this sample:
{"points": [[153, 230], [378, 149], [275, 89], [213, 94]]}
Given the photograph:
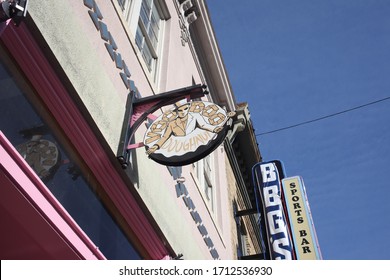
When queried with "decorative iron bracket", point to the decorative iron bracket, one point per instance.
{"points": [[15, 9], [139, 109]]}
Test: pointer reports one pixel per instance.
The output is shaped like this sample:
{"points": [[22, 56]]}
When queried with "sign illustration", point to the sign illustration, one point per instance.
{"points": [[187, 133]]}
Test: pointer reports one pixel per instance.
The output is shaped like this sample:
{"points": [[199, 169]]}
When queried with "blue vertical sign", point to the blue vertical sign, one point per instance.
{"points": [[267, 182]]}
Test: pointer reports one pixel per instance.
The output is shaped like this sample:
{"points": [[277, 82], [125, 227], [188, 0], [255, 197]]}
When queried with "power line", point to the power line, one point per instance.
{"points": [[324, 117]]}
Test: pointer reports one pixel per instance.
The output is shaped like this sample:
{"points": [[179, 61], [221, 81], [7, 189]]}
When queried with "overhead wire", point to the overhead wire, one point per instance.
{"points": [[324, 117]]}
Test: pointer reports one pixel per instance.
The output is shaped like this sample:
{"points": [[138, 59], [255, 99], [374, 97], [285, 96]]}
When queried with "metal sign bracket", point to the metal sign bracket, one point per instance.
{"points": [[140, 109]]}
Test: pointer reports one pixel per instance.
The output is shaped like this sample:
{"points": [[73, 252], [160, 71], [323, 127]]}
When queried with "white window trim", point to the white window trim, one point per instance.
{"points": [[202, 180], [130, 17]]}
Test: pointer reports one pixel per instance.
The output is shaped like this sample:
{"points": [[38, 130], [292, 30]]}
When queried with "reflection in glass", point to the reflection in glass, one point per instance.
{"points": [[35, 141]]}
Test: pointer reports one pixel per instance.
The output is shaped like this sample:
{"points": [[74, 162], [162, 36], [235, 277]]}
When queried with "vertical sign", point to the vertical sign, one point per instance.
{"points": [[267, 181], [302, 227]]}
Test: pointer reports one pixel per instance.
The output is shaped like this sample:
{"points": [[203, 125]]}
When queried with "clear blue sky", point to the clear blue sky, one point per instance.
{"points": [[295, 61]]}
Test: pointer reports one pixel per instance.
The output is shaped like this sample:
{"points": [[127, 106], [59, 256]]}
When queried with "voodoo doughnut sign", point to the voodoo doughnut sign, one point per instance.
{"points": [[186, 133]]}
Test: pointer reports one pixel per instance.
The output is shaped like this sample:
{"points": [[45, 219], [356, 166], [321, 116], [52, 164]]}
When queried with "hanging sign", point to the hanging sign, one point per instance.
{"points": [[186, 133], [301, 222], [266, 178]]}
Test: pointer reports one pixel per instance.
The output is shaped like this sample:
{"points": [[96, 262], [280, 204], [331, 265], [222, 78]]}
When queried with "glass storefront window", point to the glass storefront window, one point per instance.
{"points": [[44, 151]]}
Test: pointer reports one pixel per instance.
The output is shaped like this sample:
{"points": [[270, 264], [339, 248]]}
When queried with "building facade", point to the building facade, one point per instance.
{"points": [[242, 153], [79, 85]]}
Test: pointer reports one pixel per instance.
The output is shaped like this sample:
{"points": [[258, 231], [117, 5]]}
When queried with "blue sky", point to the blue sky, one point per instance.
{"points": [[295, 61]]}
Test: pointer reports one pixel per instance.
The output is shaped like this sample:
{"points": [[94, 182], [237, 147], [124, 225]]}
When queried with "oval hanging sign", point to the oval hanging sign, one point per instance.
{"points": [[186, 133]]}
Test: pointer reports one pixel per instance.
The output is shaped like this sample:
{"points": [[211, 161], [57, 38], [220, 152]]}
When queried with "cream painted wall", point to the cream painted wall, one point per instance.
{"points": [[79, 55]]}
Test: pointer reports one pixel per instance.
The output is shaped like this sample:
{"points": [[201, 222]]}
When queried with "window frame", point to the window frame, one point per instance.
{"points": [[206, 181], [149, 51], [130, 14]]}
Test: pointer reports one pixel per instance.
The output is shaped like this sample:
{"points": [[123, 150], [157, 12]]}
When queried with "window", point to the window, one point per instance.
{"points": [[126, 7], [28, 126], [205, 174], [146, 21], [123, 3], [148, 32], [208, 177]]}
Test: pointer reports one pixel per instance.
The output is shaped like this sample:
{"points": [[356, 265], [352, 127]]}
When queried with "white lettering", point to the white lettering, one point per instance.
{"points": [[276, 222], [271, 196], [276, 245], [268, 172]]}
